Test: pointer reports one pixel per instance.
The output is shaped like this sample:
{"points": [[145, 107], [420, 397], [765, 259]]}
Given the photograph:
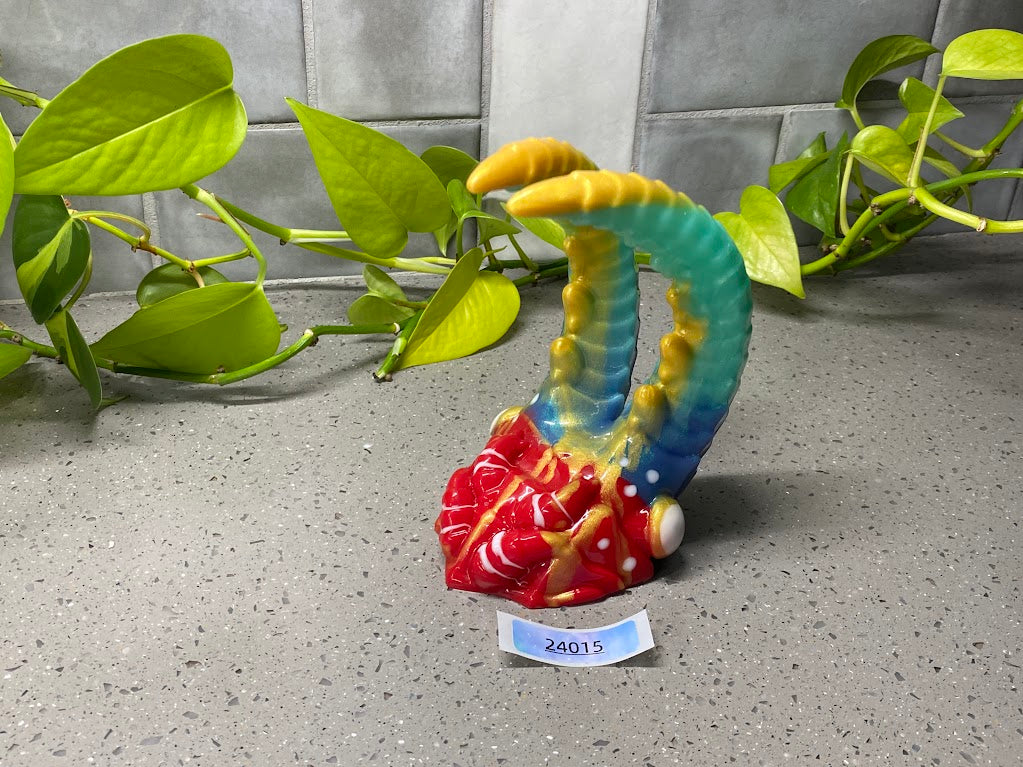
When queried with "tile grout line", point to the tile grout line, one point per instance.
{"points": [[486, 75], [930, 73], [645, 73], [309, 38]]}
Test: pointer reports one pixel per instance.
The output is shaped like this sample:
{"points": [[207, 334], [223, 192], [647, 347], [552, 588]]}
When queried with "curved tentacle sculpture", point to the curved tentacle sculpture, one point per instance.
{"points": [[575, 493]]}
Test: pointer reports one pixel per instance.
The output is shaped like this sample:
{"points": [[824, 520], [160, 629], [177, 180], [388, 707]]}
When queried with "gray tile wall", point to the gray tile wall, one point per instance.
{"points": [[705, 94]]}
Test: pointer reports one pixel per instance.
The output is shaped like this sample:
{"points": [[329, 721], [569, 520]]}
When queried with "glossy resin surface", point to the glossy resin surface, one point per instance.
{"points": [[575, 493]]}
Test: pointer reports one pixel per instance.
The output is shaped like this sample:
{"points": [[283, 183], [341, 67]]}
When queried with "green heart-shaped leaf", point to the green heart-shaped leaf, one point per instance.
{"points": [[156, 115], [51, 252], [470, 310], [781, 175], [170, 279], [814, 198], [380, 283], [880, 56], [884, 151], [917, 97], [75, 352], [379, 189], [986, 54], [449, 163], [6, 172], [12, 357], [762, 232], [372, 309], [217, 328]]}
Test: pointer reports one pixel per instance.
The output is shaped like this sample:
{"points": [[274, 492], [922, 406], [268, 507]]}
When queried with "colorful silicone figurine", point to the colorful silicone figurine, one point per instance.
{"points": [[575, 493]]}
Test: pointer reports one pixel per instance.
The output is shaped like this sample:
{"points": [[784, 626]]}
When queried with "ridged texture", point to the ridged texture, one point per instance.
{"points": [[587, 190], [592, 359], [526, 162], [688, 246]]}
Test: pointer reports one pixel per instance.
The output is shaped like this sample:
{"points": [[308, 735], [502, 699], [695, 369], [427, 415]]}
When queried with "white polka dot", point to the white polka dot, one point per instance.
{"points": [[603, 543], [630, 491], [623, 462], [629, 564], [652, 475]]}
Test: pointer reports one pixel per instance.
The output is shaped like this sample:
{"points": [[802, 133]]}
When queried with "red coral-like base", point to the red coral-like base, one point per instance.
{"points": [[540, 527]]}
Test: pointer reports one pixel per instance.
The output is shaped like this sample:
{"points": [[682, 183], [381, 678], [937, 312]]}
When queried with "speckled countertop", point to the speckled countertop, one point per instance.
{"points": [[249, 575]]}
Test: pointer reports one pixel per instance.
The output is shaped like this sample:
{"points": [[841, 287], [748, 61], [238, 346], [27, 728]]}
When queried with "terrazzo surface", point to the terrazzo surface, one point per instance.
{"points": [[249, 576]]}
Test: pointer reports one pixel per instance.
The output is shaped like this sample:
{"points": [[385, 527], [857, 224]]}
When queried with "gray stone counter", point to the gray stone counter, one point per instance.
{"points": [[249, 575]]}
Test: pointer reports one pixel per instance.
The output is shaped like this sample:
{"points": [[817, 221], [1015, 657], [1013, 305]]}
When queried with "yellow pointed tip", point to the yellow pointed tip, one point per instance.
{"points": [[488, 176], [553, 197]]}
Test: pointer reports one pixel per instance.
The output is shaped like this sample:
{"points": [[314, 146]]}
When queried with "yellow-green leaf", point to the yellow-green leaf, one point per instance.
{"points": [[372, 309], [763, 233], [449, 163], [379, 189], [470, 310], [917, 98], [217, 328], [884, 151], [986, 54], [156, 115], [382, 284], [12, 357], [75, 353]]}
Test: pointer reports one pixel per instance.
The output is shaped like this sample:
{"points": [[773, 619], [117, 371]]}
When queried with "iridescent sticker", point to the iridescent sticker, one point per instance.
{"points": [[575, 647]]}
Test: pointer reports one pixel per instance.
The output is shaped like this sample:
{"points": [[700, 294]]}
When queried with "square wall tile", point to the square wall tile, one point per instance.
{"points": [[114, 266], [711, 159], [716, 54], [274, 177], [391, 59], [958, 17], [48, 43], [568, 70]]}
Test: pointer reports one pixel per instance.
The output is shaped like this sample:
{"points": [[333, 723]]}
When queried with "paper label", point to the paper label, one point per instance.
{"points": [[575, 647]]}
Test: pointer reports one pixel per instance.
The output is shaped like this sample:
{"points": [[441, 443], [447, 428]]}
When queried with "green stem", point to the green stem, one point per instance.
{"points": [[41, 350], [307, 339], [921, 146], [885, 249], [283, 233], [221, 259], [527, 262], [987, 226], [139, 243], [427, 265], [211, 202], [390, 363], [961, 148], [843, 209], [897, 200], [22, 96], [91, 216]]}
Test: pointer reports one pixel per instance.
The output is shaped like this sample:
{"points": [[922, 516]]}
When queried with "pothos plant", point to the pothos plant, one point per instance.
{"points": [[183, 121], [867, 196]]}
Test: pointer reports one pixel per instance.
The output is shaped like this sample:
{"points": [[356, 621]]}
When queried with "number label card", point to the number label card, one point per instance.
{"points": [[575, 647]]}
